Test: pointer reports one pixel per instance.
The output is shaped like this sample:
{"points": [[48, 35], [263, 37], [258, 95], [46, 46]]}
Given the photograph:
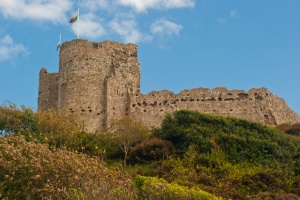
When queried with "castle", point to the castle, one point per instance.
{"points": [[100, 83]]}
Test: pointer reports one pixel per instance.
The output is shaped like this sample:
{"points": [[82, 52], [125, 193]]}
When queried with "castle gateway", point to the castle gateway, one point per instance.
{"points": [[100, 83]]}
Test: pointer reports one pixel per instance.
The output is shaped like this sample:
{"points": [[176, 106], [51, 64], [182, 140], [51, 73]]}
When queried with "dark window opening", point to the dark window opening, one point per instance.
{"points": [[173, 102], [229, 99], [154, 104]]}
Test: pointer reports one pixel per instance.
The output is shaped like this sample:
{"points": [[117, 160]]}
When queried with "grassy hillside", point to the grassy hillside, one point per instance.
{"points": [[192, 156]]}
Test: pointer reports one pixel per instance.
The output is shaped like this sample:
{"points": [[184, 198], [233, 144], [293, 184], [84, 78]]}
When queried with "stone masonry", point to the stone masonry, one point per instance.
{"points": [[100, 83]]}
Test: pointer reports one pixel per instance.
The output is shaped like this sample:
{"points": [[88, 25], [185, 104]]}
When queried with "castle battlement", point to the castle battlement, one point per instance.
{"points": [[100, 83]]}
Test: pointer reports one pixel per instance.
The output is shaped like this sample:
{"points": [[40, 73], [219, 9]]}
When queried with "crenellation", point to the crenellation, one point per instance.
{"points": [[100, 83]]}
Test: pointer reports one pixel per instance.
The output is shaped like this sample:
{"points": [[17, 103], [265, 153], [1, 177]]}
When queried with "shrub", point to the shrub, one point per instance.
{"points": [[153, 149], [160, 189], [30, 170], [292, 129]]}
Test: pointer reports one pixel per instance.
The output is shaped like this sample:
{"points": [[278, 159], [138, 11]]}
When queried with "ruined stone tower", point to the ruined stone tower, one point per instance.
{"points": [[95, 81], [100, 82]]}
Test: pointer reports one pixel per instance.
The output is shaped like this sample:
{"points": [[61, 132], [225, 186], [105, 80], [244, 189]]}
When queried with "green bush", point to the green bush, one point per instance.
{"points": [[241, 140], [152, 149], [158, 188]]}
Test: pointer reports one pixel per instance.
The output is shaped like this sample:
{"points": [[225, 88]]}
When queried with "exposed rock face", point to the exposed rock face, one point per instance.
{"points": [[100, 82]]}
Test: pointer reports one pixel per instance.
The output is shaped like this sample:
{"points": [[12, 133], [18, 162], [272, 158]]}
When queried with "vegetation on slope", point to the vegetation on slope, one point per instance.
{"points": [[30, 170], [191, 156], [230, 157]]}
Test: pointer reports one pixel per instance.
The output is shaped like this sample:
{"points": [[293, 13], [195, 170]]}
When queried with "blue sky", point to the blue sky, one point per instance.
{"points": [[183, 44]]}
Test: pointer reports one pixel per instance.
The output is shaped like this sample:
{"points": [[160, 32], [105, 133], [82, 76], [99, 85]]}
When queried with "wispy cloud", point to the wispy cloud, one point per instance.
{"points": [[233, 13], [222, 20], [141, 6], [164, 27], [128, 30], [89, 26], [10, 49], [93, 5]]}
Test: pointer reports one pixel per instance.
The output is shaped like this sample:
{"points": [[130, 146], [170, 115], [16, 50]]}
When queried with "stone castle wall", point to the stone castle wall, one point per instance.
{"points": [[48, 90], [100, 83], [257, 105]]}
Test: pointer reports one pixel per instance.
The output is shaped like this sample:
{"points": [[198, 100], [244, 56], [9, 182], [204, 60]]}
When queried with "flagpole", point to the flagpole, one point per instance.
{"points": [[60, 38], [78, 25]]}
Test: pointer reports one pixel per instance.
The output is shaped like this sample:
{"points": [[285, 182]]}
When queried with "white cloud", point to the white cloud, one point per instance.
{"points": [[123, 12], [128, 30], [89, 26], [164, 27], [143, 5], [9, 49], [48, 10]]}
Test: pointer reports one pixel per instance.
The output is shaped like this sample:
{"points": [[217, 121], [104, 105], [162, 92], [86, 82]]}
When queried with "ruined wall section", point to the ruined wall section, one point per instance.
{"points": [[122, 82], [255, 105], [48, 90], [151, 108], [281, 112]]}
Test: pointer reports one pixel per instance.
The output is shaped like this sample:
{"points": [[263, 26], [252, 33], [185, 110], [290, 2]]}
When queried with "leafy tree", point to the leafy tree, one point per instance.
{"points": [[128, 132], [13, 120]]}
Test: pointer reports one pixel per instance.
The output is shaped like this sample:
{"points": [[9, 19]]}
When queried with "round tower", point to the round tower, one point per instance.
{"points": [[84, 70]]}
